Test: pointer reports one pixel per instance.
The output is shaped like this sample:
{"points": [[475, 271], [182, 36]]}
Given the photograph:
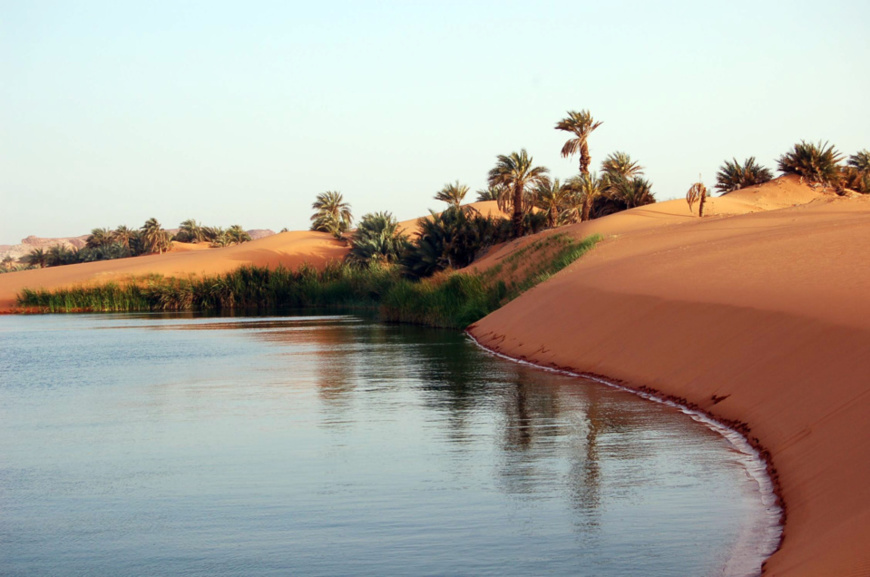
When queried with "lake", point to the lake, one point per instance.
{"points": [[336, 445]]}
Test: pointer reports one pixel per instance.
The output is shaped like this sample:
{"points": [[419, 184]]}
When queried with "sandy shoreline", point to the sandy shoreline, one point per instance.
{"points": [[757, 315], [766, 531], [760, 319]]}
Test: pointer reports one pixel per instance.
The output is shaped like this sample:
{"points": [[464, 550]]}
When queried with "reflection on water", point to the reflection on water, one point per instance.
{"points": [[335, 445]]}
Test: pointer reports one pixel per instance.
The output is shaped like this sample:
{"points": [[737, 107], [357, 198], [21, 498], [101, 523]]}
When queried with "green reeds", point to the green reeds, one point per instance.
{"points": [[453, 301], [461, 299]]}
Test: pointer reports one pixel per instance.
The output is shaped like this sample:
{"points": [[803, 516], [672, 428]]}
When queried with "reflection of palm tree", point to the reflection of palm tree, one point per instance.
{"points": [[586, 472]]}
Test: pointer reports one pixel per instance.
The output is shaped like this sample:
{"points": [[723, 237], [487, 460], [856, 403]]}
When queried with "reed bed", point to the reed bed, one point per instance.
{"points": [[453, 300]]}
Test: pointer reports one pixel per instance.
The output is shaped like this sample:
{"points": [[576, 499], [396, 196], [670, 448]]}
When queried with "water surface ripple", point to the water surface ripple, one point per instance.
{"points": [[149, 444]]}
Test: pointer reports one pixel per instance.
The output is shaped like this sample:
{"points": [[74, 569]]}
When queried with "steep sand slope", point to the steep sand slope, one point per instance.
{"points": [[768, 310], [289, 249]]}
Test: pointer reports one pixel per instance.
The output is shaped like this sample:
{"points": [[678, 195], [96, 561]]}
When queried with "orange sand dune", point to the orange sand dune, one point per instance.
{"points": [[768, 312], [757, 313], [290, 249]]}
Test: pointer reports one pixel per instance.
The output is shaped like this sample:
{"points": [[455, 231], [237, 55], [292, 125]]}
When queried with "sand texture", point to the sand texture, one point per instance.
{"points": [[761, 317]]}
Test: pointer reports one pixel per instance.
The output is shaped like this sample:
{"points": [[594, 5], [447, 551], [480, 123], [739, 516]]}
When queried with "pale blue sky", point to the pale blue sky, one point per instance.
{"points": [[241, 112]]}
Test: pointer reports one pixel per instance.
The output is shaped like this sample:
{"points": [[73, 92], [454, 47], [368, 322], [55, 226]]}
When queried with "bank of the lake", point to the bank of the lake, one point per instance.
{"points": [[154, 444], [761, 320]]}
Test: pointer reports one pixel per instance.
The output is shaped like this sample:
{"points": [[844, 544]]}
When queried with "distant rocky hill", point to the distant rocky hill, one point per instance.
{"points": [[16, 251]]}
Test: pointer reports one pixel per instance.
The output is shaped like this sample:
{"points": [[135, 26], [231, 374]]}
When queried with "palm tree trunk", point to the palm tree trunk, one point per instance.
{"points": [[587, 208], [584, 158], [517, 220], [701, 206]]}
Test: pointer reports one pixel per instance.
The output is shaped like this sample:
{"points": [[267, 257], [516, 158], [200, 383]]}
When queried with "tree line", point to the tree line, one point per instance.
{"points": [[123, 242]]}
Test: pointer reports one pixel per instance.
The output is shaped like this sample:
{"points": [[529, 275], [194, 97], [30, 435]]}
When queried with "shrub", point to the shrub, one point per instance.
{"points": [[817, 163], [733, 176]]}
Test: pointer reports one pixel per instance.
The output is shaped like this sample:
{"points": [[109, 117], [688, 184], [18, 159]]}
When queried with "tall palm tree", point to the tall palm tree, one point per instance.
{"points": [[619, 164], [552, 197], [515, 173], [587, 187], [154, 237], [331, 214], [580, 124], [452, 194]]}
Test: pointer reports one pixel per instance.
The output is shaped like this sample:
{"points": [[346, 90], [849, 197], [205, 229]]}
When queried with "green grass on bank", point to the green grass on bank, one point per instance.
{"points": [[454, 300]]}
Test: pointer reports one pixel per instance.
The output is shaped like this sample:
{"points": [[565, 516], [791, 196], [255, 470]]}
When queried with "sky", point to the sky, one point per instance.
{"points": [[242, 112]]}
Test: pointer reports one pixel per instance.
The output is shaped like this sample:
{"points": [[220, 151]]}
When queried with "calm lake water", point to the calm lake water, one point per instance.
{"points": [[157, 445]]}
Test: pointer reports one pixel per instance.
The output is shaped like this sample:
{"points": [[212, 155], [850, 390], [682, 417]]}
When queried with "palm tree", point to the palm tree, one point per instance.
{"points": [[332, 214], [697, 193], [860, 161], [99, 237], [514, 174], [491, 193], [632, 193], [581, 124], [237, 235], [377, 240], [733, 176], [154, 237], [587, 187], [190, 231], [452, 194], [59, 255], [856, 174], [817, 163], [552, 197], [123, 235], [37, 257], [619, 164]]}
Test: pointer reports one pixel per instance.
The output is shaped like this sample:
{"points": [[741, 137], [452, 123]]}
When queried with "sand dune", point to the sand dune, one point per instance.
{"points": [[764, 312], [757, 313], [289, 249]]}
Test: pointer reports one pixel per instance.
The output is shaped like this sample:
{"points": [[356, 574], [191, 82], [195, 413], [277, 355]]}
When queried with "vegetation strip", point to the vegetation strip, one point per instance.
{"points": [[451, 300]]}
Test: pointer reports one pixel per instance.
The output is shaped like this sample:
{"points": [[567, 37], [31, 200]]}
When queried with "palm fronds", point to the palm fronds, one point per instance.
{"points": [[733, 176], [817, 163]]}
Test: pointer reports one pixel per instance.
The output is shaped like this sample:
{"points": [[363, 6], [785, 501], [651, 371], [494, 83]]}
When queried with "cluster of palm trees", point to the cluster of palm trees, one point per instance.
{"points": [[522, 189], [519, 186], [191, 231], [123, 242], [819, 164]]}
